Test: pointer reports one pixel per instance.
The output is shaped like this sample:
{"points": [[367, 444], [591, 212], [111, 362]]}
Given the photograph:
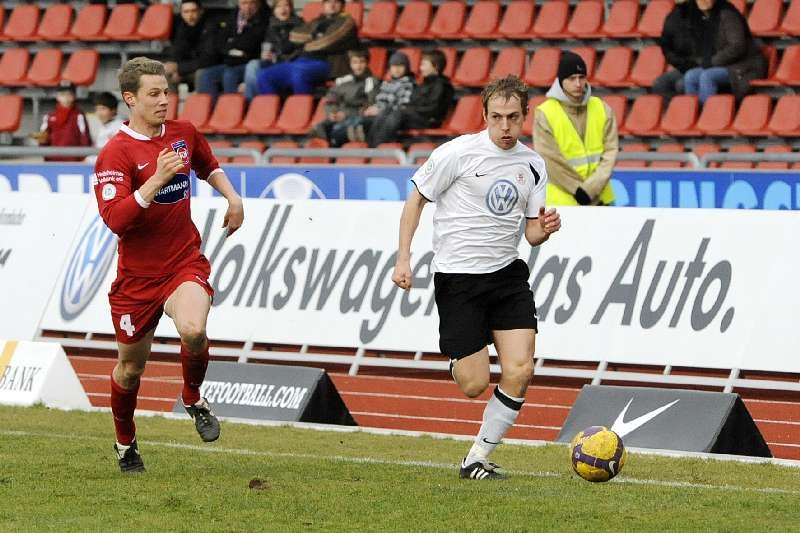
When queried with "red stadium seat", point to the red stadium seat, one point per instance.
{"points": [[633, 163], [355, 10], [196, 109], [785, 118], [172, 106], [414, 20], [717, 115], [775, 165], [311, 10], [414, 57], [55, 22], [283, 159], [652, 21], [753, 115], [644, 115], [615, 67], [618, 104], [701, 149], [380, 20], [296, 114], [246, 159], [649, 65], [552, 20], [510, 60], [765, 17], [740, 5], [483, 20], [122, 23], [543, 67], [220, 144], [669, 148], [739, 149], [319, 113], [413, 147], [386, 160], [788, 72], [227, 115], [81, 67], [352, 160], [11, 106], [14, 66], [586, 20], [450, 55], [518, 19], [791, 20], [622, 19], [467, 116], [45, 69], [315, 142], [261, 115], [771, 53], [156, 23], [22, 23], [473, 70], [533, 103], [681, 115], [378, 57], [589, 56], [89, 23], [448, 21], [2, 22]]}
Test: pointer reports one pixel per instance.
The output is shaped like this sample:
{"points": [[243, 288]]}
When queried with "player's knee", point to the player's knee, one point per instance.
{"points": [[131, 371], [475, 387], [193, 336], [521, 373]]}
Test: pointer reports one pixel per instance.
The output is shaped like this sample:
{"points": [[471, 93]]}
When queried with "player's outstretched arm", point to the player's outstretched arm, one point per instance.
{"points": [[409, 220], [538, 230], [234, 216]]}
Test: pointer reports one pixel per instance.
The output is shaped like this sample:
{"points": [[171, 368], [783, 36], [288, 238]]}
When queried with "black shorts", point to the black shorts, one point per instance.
{"points": [[472, 305]]}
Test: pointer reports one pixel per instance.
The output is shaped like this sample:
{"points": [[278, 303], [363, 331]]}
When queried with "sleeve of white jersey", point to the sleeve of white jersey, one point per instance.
{"points": [[537, 194], [438, 172]]}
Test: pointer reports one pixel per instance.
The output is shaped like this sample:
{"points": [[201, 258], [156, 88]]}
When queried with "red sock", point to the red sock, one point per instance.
{"points": [[123, 404], [194, 372]]}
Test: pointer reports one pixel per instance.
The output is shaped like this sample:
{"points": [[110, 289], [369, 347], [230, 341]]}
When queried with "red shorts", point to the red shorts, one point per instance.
{"points": [[137, 303]]}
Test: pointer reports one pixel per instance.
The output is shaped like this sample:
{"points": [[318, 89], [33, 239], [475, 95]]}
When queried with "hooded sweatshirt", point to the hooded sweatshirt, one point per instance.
{"points": [[559, 172]]}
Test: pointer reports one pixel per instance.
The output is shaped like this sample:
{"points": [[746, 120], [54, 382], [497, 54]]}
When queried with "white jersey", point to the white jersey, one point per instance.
{"points": [[482, 195]]}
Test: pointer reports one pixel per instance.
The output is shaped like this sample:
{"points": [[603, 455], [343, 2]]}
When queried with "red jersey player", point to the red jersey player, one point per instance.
{"points": [[143, 189]]}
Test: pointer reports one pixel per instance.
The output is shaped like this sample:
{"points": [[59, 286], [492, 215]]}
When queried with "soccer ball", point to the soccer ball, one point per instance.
{"points": [[597, 454]]}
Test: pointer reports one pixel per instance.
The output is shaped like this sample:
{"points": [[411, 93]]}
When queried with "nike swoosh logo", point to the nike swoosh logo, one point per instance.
{"points": [[489, 442], [140, 167], [622, 428], [480, 175]]}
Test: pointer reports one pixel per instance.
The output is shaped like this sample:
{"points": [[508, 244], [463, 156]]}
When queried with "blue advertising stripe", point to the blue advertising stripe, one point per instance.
{"points": [[637, 188]]}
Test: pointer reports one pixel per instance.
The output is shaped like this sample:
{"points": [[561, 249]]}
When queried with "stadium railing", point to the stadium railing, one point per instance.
{"points": [[399, 155]]}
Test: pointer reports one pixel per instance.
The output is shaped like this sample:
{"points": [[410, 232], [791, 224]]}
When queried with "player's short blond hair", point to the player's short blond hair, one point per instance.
{"points": [[507, 87], [131, 73]]}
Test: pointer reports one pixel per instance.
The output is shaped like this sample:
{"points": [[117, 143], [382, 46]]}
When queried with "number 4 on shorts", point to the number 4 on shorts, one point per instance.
{"points": [[126, 325]]}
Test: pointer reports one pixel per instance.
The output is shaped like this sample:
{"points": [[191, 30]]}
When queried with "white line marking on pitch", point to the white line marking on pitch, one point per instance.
{"points": [[377, 461]]}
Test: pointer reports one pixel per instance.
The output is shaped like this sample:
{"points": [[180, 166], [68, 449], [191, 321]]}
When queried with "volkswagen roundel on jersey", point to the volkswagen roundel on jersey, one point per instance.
{"points": [[502, 197]]}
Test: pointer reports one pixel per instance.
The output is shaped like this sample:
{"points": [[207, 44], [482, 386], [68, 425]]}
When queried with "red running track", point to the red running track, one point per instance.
{"points": [[429, 404]]}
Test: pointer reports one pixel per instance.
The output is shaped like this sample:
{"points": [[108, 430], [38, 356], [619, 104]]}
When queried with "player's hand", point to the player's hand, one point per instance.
{"points": [[167, 165], [234, 216], [549, 220], [402, 275]]}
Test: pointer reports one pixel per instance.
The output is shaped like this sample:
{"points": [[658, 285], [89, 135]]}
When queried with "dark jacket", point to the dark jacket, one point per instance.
{"points": [[239, 48], [328, 38], [723, 39], [278, 35], [677, 42], [352, 94], [192, 46], [432, 99]]}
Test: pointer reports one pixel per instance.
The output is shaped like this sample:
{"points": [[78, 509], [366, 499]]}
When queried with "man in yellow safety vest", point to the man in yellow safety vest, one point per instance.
{"points": [[576, 134]]}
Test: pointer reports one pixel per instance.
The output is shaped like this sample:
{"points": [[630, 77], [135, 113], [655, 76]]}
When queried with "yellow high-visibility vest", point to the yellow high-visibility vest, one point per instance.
{"points": [[581, 154]]}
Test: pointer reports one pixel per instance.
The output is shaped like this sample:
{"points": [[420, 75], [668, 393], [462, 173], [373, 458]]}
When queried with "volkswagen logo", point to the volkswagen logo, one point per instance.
{"points": [[502, 197], [87, 268]]}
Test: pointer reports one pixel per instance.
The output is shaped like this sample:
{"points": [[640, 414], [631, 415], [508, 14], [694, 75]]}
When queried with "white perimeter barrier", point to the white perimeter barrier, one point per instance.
{"points": [[666, 287]]}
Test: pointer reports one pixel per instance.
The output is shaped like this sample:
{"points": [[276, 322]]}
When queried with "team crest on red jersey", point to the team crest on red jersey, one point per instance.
{"points": [[182, 150]]}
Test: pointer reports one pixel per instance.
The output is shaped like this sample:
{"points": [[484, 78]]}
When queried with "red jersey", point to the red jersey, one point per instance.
{"points": [[159, 238], [66, 126]]}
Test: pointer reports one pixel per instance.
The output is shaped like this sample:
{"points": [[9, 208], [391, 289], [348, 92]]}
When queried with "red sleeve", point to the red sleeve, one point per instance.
{"points": [[203, 160], [112, 189]]}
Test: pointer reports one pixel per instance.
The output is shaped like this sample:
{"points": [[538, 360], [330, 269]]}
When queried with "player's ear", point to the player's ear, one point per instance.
{"points": [[129, 98]]}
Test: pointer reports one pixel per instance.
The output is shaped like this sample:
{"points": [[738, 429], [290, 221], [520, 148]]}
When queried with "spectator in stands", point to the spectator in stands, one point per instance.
{"points": [[277, 47], [729, 57], [325, 42], [576, 134], [192, 46], [677, 45], [238, 39], [65, 126], [105, 109], [428, 107], [392, 95], [346, 100]]}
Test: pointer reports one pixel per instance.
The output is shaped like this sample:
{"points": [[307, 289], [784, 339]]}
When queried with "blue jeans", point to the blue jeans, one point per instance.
{"points": [[706, 82], [217, 77], [251, 77], [298, 76]]}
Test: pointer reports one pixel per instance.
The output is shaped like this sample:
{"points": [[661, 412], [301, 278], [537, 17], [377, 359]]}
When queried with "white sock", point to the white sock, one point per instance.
{"points": [[500, 414]]}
